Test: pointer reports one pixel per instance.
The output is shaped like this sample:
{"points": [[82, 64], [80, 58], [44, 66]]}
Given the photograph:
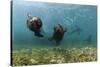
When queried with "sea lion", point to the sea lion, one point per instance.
{"points": [[89, 39], [35, 24], [58, 34], [76, 30]]}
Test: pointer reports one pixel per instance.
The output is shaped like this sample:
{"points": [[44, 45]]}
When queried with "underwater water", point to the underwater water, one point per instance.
{"points": [[79, 42], [68, 15]]}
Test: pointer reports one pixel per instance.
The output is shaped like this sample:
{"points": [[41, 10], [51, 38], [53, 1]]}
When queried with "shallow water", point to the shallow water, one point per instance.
{"points": [[68, 15]]}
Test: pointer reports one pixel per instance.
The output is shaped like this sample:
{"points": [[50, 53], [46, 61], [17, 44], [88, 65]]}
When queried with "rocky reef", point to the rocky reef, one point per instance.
{"points": [[57, 55]]}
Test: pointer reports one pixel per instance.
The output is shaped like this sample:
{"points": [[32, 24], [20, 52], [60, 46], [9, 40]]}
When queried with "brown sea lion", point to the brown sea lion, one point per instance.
{"points": [[58, 34], [35, 24]]}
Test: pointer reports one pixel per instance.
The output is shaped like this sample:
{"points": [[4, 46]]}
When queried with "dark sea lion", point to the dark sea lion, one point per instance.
{"points": [[89, 39], [76, 30], [58, 34], [35, 24]]}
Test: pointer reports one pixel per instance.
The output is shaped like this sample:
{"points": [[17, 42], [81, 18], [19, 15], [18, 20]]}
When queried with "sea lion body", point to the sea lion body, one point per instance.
{"points": [[35, 24], [58, 34]]}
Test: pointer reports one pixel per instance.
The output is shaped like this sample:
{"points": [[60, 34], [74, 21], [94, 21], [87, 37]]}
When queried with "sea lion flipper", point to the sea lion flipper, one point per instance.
{"points": [[38, 34]]}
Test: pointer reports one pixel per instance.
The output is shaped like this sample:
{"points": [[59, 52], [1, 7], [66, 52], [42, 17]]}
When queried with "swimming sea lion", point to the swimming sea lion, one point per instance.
{"points": [[35, 24], [58, 34], [89, 39], [76, 30]]}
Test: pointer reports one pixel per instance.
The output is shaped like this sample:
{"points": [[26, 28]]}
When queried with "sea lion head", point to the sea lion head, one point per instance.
{"points": [[58, 28], [34, 23]]}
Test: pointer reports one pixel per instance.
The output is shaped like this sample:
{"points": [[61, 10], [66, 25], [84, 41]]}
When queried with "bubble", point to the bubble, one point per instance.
{"points": [[68, 21]]}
